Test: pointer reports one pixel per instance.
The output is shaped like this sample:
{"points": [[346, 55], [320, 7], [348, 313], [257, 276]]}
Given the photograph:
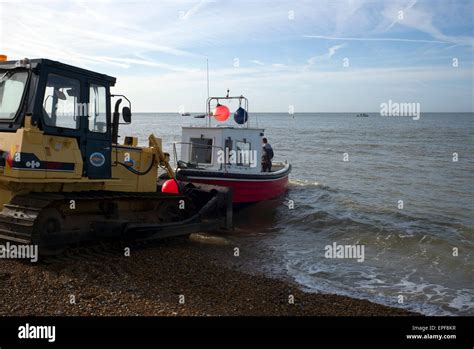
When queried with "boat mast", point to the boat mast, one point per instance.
{"points": [[207, 69], [208, 118]]}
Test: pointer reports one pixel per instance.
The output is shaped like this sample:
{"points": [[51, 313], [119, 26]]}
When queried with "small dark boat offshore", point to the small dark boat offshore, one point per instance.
{"points": [[229, 155]]}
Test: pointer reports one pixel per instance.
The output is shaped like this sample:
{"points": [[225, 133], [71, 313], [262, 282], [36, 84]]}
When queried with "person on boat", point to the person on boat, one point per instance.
{"points": [[267, 156]]}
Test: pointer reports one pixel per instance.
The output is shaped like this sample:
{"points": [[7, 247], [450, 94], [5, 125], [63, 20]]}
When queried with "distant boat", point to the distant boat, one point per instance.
{"points": [[185, 114], [362, 115]]}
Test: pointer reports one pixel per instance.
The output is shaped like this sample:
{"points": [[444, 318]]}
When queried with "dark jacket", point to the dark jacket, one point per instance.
{"points": [[268, 152]]}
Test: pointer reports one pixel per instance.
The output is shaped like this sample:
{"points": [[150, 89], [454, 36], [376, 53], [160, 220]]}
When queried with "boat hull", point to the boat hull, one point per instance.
{"points": [[245, 190]]}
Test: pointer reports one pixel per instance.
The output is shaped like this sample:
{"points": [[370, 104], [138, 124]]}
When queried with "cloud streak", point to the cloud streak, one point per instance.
{"points": [[160, 50], [374, 39], [194, 10], [419, 17], [327, 56]]}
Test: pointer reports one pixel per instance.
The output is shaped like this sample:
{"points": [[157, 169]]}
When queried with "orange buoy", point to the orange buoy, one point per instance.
{"points": [[221, 113], [3, 58], [170, 187]]}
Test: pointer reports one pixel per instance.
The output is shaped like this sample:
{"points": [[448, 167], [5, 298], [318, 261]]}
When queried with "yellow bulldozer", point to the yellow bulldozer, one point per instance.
{"points": [[65, 177]]}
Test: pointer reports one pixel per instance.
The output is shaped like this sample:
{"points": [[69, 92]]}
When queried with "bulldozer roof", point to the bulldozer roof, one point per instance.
{"points": [[39, 62]]}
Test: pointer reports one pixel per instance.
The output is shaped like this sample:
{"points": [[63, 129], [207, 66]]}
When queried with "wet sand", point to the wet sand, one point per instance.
{"points": [[153, 281]]}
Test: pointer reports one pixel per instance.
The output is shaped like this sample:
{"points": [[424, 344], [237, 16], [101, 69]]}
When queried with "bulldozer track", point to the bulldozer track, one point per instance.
{"points": [[24, 216], [17, 220]]}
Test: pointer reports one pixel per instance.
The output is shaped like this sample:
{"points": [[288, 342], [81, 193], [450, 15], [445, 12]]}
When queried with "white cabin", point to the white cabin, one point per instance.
{"points": [[223, 149]]}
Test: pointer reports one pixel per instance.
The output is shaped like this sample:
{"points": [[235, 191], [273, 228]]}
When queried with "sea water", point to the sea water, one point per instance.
{"points": [[402, 188]]}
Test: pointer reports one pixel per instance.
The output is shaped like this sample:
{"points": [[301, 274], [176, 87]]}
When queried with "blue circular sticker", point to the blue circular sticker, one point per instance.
{"points": [[130, 163], [97, 159]]}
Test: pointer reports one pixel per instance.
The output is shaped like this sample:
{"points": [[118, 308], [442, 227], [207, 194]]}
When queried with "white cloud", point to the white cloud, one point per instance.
{"points": [[415, 15], [418, 16], [74, 30], [374, 39], [401, 11], [331, 52], [187, 15], [159, 58], [271, 88], [84, 35]]}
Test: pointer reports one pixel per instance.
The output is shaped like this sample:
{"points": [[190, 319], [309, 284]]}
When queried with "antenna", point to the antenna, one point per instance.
{"points": [[208, 118], [207, 69]]}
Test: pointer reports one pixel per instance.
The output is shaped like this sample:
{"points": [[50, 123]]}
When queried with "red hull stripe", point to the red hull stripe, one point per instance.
{"points": [[249, 190]]}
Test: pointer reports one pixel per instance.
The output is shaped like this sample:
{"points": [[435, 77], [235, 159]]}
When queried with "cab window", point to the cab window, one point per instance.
{"points": [[12, 88], [61, 106], [97, 109]]}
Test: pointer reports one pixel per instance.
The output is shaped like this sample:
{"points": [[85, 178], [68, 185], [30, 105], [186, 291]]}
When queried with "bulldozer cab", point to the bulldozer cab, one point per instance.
{"points": [[58, 144], [64, 101]]}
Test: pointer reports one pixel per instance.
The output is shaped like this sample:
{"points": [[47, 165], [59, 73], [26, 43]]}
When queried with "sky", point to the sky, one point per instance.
{"points": [[306, 56]]}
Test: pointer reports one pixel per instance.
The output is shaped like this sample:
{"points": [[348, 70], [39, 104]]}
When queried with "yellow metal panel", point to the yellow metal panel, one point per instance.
{"points": [[140, 160], [63, 149]]}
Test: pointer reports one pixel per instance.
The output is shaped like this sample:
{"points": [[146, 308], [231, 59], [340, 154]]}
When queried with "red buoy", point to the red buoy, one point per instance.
{"points": [[170, 187], [221, 113]]}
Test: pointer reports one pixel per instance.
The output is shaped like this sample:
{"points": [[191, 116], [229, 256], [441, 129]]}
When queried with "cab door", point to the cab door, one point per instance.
{"points": [[62, 93], [98, 135]]}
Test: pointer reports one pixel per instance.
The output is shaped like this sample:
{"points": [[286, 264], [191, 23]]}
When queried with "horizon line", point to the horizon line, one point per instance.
{"points": [[305, 112]]}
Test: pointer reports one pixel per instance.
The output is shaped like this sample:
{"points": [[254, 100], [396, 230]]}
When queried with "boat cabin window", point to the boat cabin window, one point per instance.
{"points": [[201, 150], [60, 104], [97, 109], [228, 144], [243, 153]]}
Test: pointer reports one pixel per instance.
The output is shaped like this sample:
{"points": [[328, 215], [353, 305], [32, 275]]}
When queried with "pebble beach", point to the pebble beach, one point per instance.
{"points": [[175, 277]]}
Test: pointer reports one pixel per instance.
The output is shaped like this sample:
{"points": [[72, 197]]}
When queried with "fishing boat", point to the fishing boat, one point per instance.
{"points": [[229, 155], [362, 115]]}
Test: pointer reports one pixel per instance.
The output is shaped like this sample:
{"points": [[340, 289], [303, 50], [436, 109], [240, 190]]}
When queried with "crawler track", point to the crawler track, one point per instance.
{"points": [[54, 220]]}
